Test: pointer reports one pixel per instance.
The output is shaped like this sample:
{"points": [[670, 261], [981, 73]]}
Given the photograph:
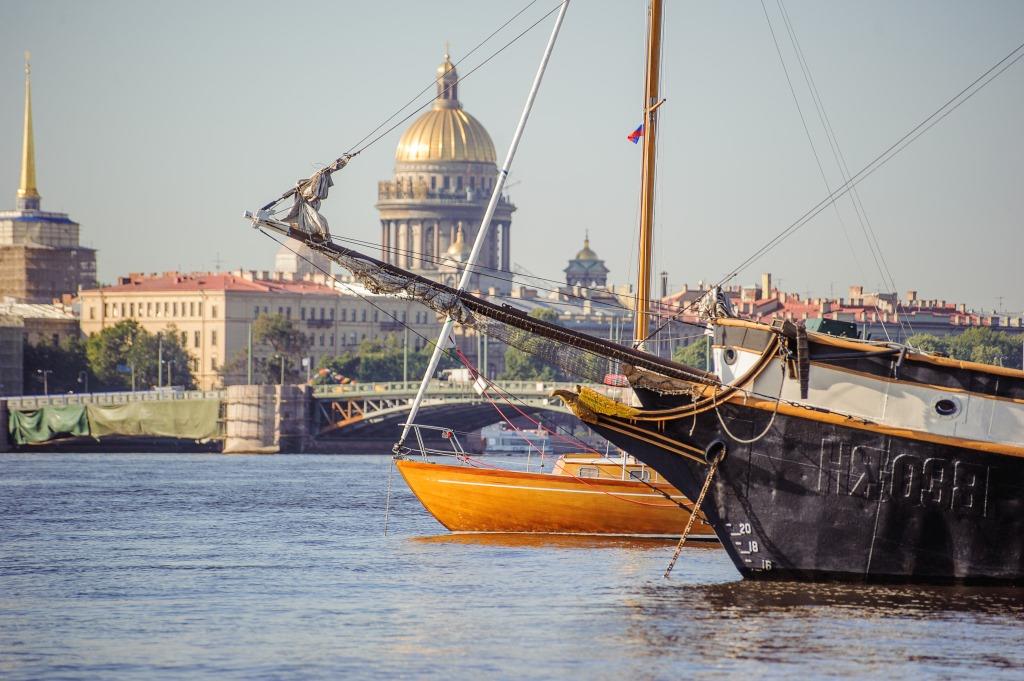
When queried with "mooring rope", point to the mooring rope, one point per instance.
{"points": [[387, 498]]}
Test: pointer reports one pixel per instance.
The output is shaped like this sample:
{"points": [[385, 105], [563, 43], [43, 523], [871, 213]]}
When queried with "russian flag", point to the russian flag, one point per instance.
{"points": [[635, 136]]}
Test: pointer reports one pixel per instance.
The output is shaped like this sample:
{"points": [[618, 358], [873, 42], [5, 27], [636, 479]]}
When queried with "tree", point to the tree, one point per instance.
{"points": [[521, 365], [118, 350], [288, 344], [380, 360], [974, 345], [693, 355], [65, 362]]}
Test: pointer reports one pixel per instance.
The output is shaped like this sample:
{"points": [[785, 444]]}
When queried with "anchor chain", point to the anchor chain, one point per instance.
{"points": [[715, 460]]}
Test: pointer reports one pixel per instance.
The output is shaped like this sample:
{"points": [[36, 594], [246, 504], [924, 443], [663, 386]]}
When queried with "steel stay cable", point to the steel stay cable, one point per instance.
{"points": [[817, 158], [881, 159], [508, 396], [461, 78], [840, 160], [434, 82], [495, 273], [352, 154]]}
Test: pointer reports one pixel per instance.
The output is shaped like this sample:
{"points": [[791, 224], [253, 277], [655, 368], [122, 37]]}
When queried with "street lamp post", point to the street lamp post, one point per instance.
{"points": [[83, 378], [170, 373], [45, 373], [280, 359]]}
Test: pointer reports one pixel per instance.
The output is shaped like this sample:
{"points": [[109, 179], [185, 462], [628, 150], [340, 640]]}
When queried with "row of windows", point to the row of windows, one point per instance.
{"points": [[421, 317], [446, 182], [151, 309]]}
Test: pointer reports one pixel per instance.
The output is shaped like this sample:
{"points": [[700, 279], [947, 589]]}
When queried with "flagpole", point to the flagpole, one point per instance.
{"points": [[443, 339]]}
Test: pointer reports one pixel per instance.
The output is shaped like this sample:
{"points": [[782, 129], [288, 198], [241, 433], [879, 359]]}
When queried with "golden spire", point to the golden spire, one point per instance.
{"points": [[28, 195]]}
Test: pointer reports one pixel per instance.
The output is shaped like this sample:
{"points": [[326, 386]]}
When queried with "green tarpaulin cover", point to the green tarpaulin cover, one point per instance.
{"points": [[45, 423], [188, 419]]}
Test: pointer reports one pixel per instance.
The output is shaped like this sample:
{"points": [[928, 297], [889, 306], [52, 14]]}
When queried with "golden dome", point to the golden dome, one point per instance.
{"points": [[446, 132], [459, 251], [586, 253]]}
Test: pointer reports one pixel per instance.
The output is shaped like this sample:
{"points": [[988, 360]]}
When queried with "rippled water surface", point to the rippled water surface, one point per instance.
{"points": [[172, 566]]}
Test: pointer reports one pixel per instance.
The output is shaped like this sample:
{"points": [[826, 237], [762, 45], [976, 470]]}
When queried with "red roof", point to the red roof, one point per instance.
{"points": [[213, 281]]}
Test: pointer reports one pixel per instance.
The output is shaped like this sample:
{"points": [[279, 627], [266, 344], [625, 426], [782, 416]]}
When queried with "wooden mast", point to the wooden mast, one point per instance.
{"points": [[651, 103]]}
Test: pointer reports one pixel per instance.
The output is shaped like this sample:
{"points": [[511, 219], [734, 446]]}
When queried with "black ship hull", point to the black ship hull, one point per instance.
{"points": [[812, 500]]}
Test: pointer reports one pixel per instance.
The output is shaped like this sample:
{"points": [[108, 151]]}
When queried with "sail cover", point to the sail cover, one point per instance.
{"points": [[577, 354]]}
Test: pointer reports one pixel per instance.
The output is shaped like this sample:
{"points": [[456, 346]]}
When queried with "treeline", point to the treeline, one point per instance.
{"points": [[981, 345], [108, 360]]}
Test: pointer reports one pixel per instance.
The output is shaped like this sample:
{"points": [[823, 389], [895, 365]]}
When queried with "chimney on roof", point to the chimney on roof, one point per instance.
{"points": [[856, 291], [911, 296], [766, 285]]}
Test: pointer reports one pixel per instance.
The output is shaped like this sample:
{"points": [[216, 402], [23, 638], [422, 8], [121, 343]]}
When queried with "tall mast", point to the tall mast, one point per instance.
{"points": [[650, 120]]}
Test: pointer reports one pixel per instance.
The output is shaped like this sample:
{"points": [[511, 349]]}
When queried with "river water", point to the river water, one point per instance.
{"points": [[229, 567]]}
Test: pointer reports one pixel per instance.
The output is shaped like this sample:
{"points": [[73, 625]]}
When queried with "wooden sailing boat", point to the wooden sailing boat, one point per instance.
{"points": [[812, 457], [584, 494]]}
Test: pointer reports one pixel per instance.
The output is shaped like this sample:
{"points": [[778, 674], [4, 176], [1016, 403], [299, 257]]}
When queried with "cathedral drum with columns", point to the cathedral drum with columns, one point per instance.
{"points": [[431, 211]]}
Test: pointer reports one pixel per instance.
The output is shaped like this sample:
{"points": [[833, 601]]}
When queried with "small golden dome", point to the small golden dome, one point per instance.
{"points": [[459, 251], [586, 253], [446, 132]]}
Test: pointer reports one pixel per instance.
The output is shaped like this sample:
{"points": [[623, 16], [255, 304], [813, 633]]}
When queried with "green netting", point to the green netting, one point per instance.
{"points": [[187, 419], [46, 423]]}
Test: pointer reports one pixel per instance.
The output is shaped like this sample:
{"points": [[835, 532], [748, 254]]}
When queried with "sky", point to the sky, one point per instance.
{"points": [[158, 123]]}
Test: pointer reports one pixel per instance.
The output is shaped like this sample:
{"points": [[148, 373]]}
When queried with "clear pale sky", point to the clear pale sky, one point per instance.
{"points": [[158, 124]]}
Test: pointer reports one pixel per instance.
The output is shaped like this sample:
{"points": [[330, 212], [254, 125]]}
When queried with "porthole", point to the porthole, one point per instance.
{"points": [[729, 356], [947, 407]]}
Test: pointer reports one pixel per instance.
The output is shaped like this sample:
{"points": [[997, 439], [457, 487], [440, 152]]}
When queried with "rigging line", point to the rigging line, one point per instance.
{"points": [[434, 82], [895, 148], [376, 139], [509, 397], [871, 239], [814, 151], [840, 160], [881, 159], [352, 290], [460, 79], [495, 273]]}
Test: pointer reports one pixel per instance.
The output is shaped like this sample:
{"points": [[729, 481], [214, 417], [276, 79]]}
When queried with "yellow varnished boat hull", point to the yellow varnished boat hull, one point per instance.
{"points": [[466, 499]]}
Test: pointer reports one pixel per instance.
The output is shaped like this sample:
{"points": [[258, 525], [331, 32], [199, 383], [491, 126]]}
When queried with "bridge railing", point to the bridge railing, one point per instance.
{"points": [[436, 388], [26, 402]]}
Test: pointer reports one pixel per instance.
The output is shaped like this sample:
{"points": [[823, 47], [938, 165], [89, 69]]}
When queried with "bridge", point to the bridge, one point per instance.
{"points": [[376, 410], [275, 418]]}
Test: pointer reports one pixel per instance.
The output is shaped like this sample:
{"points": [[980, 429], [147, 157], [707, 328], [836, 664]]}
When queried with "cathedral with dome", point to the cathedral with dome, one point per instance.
{"points": [[586, 269], [430, 212]]}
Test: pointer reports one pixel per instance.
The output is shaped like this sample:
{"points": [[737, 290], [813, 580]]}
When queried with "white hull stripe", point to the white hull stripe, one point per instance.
{"points": [[556, 489]]}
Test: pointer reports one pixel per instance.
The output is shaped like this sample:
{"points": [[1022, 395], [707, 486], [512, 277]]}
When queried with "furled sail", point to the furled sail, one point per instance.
{"points": [[577, 354]]}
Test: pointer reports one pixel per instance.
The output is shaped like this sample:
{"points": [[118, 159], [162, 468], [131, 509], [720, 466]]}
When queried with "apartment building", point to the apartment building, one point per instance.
{"points": [[212, 312]]}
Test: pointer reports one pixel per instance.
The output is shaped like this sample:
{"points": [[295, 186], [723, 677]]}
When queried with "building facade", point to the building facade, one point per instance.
{"points": [[430, 212], [40, 255], [212, 314]]}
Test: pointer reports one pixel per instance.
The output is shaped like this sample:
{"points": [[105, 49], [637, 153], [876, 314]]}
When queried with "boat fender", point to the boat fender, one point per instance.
{"points": [[715, 452]]}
